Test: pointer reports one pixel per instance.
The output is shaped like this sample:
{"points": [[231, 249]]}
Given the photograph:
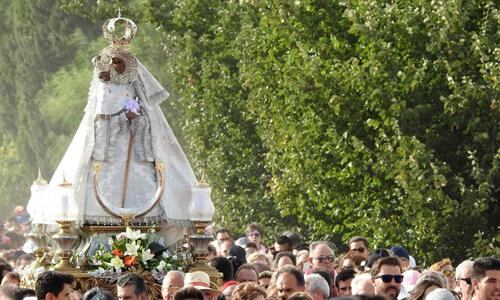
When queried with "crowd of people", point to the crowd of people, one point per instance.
{"points": [[290, 269]]}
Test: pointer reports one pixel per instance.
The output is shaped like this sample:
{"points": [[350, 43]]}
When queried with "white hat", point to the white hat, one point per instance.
{"points": [[199, 280], [440, 294]]}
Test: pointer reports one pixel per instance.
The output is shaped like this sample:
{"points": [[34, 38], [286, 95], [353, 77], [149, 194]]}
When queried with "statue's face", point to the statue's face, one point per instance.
{"points": [[119, 65]]}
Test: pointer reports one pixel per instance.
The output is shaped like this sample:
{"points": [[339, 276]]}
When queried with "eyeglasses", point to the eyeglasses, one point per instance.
{"points": [[448, 272], [467, 280], [360, 249], [323, 258], [388, 278]]}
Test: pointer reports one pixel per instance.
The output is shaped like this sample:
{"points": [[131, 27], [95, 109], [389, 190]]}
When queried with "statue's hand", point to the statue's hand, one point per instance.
{"points": [[105, 76], [131, 115]]}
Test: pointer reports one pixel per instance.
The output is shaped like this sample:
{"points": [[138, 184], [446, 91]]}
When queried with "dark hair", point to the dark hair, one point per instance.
{"points": [[302, 246], [294, 237], [284, 240], [358, 238], [389, 261], [4, 268], [248, 267], [250, 245], [483, 264], [222, 230], [135, 280], [20, 293], [51, 282], [376, 255], [283, 254], [188, 293], [224, 266], [98, 294], [326, 274], [343, 276], [261, 267], [295, 272]]}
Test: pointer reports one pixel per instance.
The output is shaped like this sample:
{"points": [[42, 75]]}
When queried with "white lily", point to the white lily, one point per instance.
{"points": [[116, 263], [146, 255], [134, 234], [161, 265], [132, 248]]}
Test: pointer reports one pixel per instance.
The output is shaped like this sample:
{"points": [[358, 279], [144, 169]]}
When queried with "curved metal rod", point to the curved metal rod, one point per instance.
{"points": [[126, 217]]}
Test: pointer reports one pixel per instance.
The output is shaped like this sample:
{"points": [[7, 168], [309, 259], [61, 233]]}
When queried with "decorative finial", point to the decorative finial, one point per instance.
{"points": [[64, 181], [202, 182], [119, 12], [40, 179]]}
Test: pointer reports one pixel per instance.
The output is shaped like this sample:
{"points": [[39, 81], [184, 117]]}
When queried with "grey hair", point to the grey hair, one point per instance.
{"points": [[460, 270], [358, 280], [315, 244], [316, 282], [164, 283]]}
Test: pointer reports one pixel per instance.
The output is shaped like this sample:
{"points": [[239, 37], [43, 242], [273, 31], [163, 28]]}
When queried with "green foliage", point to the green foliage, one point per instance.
{"points": [[12, 183]]}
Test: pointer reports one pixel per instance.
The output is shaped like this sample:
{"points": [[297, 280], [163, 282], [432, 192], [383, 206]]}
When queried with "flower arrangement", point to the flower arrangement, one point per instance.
{"points": [[131, 251]]}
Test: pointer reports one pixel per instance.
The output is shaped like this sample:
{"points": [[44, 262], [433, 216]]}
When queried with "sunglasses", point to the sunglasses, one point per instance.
{"points": [[467, 280], [323, 258], [448, 273], [360, 249], [388, 278]]}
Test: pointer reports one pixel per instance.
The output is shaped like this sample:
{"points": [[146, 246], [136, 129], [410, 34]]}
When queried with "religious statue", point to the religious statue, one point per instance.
{"points": [[124, 161]]}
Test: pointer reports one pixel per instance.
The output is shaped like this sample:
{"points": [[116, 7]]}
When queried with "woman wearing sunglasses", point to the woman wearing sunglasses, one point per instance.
{"points": [[254, 234], [444, 266]]}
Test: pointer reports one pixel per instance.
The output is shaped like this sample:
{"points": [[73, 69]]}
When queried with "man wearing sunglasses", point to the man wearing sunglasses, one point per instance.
{"points": [[360, 245], [386, 277], [463, 276]]}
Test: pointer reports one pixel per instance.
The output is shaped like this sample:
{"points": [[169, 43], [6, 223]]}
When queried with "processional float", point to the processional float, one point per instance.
{"points": [[123, 174]]}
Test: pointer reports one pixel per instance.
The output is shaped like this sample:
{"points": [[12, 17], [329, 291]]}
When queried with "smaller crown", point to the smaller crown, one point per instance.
{"points": [[109, 28]]}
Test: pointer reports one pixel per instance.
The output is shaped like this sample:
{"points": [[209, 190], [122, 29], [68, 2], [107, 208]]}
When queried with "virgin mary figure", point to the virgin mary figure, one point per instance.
{"points": [[124, 161]]}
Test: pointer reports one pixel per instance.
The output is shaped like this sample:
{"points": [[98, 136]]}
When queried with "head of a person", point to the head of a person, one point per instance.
{"points": [[352, 260], [375, 255], [5, 268], [8, 292], [254, 233], [222, 235], [289, 280], [426, 283], [98, 294], [12, 278], [224, 266], [283, 259], [249, 291], [250, 248], [444, 266], [321, 255], [188, 293], [265, 279], [131, 286], [362, 285], [294, 237], [201, 281], [440, 294], [51, 285], [317, 287], [237, 252], [172, 282], [25, 293], [302, 257], [228, 288], [386, 277], [224, 247], [282, 244], [24, 260], [259, 257], [247, 273], [401, 253], [410, 279], [359, 244], [300, 296], [486, 278], [463, 275], [343, 282]]}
